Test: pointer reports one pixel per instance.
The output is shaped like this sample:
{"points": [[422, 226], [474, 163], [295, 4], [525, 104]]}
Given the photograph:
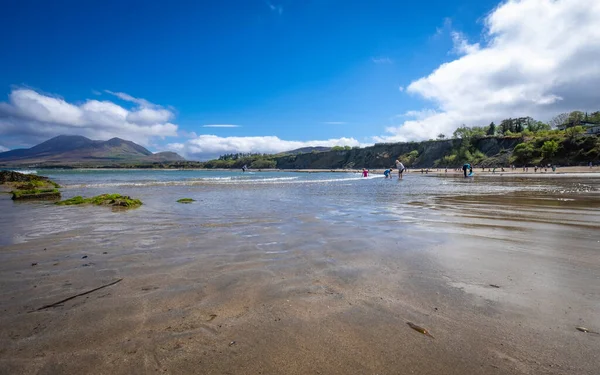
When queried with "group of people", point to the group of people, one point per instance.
{"points": [[388, 172]]}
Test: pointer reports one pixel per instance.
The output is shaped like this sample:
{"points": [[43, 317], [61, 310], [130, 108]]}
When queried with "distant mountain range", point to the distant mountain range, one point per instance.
{"points": [[75, 150]]}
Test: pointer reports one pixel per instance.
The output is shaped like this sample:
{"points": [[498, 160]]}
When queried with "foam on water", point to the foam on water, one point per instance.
{"points": [[25, 171], [219, 181]]}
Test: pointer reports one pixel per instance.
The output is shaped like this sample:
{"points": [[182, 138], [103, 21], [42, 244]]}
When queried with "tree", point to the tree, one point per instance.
{"points": [[491, 129], [478, 132], [263, 164], [507, 126], [524, 152], [574, 131], [465, 132], [558, 120], [549, 148], [518, 125], [441, 136], [537, 126], [575, 118], [409, 158], [462, 132]]}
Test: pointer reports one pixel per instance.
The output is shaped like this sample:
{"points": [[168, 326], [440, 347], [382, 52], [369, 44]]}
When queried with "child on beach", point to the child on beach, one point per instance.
{"points": [[387, 173], [365, 173]]}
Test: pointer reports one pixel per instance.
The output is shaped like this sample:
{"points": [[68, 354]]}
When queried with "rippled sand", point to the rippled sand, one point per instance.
{"points": [[500, 281]]}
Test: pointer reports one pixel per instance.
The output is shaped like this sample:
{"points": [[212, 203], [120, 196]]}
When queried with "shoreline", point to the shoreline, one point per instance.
{"points": [[435, 171]]}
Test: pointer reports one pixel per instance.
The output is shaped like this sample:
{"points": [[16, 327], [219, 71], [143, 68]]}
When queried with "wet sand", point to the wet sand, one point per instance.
{"points": [[333, 298]]}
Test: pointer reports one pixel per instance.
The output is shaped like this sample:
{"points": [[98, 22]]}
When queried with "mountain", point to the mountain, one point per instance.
{"points": [[78, 150]]}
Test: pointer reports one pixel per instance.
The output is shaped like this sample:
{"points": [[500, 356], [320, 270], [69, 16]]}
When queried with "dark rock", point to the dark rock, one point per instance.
{"points": [[11, 176]]}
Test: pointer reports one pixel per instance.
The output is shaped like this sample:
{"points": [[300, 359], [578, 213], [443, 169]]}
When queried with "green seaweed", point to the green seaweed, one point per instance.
{"points": [[115, 200], [186, 200], [17, 194]]}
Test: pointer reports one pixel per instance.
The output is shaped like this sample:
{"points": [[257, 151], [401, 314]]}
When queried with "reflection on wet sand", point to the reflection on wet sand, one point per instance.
{"points": [[316, 286]]}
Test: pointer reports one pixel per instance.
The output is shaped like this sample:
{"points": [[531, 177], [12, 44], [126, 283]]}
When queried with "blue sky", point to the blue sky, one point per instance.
{"points": [[299, 71]]}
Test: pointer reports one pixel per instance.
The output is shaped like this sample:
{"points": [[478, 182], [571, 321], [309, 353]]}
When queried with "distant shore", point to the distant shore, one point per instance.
{"points": [[449, 171], [429, 171]]}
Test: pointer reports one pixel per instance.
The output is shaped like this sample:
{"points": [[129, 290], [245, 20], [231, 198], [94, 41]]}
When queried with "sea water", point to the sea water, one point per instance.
{"points": [[237, 201]]}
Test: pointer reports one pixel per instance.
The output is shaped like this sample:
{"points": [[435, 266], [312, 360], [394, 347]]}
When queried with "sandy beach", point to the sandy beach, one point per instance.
{"points": [[308, 282]]}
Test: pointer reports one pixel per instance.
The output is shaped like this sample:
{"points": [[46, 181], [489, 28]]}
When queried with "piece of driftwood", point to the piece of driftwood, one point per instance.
{"points": [[77, 295]]}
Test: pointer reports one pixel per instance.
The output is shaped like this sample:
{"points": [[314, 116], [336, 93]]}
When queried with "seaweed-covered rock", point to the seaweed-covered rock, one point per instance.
{"points": [[114, 200], [29, 186], [35, 194], [12, 176]]}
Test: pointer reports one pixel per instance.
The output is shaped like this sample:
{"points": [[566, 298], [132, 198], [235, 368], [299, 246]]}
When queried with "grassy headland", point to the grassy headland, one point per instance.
{"points": [[521, 141]]}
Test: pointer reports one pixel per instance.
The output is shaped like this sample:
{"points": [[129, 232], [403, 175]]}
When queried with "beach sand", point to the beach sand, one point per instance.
{"points": [[501, 283]]}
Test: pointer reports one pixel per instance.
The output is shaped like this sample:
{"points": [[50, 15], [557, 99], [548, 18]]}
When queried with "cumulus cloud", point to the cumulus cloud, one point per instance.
{"points": [[30, 117], [539, 58], [461, 44], [206, 146]]}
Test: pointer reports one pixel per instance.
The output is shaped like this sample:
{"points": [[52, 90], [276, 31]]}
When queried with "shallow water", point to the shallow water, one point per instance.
{"points": [[241, 201], [306, 272]]}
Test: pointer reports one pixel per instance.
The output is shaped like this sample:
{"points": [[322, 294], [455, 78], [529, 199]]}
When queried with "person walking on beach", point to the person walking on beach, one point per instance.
{"points": [[365, 173], [400, 168]]}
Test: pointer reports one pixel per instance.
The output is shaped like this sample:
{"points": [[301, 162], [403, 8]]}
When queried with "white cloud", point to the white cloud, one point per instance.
{"points": [[275, 8], [31, 117], [334, 122], [221, 126], [461, 44], [186, 134], [211, 146], [129, 98], [382, 60], [401, 88], [149, 116], [540, 57]]}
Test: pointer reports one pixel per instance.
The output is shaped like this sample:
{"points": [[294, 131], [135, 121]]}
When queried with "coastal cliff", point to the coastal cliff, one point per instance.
{"points": [[412, 154]]}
